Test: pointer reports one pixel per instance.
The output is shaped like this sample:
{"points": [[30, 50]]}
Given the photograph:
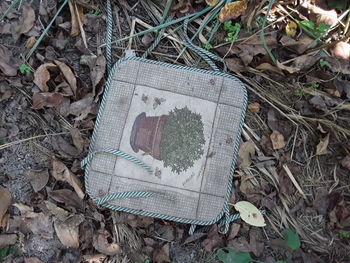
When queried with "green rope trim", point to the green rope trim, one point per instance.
{"points": [[225, 210]]}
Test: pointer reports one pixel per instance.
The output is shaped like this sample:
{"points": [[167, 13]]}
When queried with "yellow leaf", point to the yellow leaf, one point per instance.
{"points": [[291, 29], [321, 148], [211, 2], [250, 214], [232, 10]]}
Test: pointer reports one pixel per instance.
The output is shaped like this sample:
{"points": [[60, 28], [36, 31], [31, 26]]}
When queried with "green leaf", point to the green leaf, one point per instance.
{"points": [[4, 252], [228, 255], [324, 63], [292, 239], [24, 68], [2, 140], [322, 28], [308, 24], [298, 93]]}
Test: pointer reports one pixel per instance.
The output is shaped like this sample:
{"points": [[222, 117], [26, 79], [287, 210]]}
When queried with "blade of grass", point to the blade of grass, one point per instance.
{"points": [[191, 16], [262, 36], [8, 10], [37, 43]]}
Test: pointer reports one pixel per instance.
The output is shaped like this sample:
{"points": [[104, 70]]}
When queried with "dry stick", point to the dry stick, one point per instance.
{"points": [[6, 145], [82, 32], [292, 178]]}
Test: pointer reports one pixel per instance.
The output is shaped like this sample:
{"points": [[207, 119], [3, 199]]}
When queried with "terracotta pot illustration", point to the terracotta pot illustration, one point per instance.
{"points": [[146, 134], [176, 139]]}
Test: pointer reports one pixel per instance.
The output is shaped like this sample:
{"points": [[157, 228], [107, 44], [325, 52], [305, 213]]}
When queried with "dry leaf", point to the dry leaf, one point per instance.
{"points": [[27, 20], [75, 29], [341, 50], [5, 62], [250, 214], [38, 178], [78, 140], [235, 64], [61, 173], [5, 202], [256, 241], [327, 17], [346, 162], [68, 75], [7, 240], [232, 10], [291, 29], [97, 70], [211, 2], [32, 260], [42, 76], [299, 46], [213, 240], [68, 197], [254, 107], [239, 244], [277, 140], [47, 99], [39, 223], [99, 258], [68, 230], [321, 148], [30, 42], [162, 255], [101, 244], [234, 231], [246, 150], [81, 108]]}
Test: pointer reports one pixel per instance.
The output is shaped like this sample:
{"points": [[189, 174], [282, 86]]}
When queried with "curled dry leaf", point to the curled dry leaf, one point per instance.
{"points": [[27, 20], [246, 150], [42, 76], [213, 240], [101, 244], [68, 197], [232, 10], [46, 99], [30, 42], [5, 62], [341, 50], [346, 162], [277, 140], [82, 108], [321, 147], [38, 178], [61, 173], [254, 107], [78, 140], [68, 230], [77, 17], [5, 202], [250, 214], [68, 75]]}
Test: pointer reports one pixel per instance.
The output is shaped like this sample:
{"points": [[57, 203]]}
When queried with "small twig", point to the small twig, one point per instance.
{"points": [[82, 32], [262, 37]]}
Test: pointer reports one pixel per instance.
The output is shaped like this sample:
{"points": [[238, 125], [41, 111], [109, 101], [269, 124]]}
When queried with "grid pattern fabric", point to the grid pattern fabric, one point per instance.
{"points": [[203, 205]]}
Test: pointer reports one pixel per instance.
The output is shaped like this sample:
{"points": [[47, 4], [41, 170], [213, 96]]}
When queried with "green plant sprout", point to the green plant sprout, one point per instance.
{"points": [[94, 12], [344, 234], [24, 69], [232, 30], [2, 140], [314, 85], [323, 63], [228, 255], [207, 46], [316, 31], [298, 93]]}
